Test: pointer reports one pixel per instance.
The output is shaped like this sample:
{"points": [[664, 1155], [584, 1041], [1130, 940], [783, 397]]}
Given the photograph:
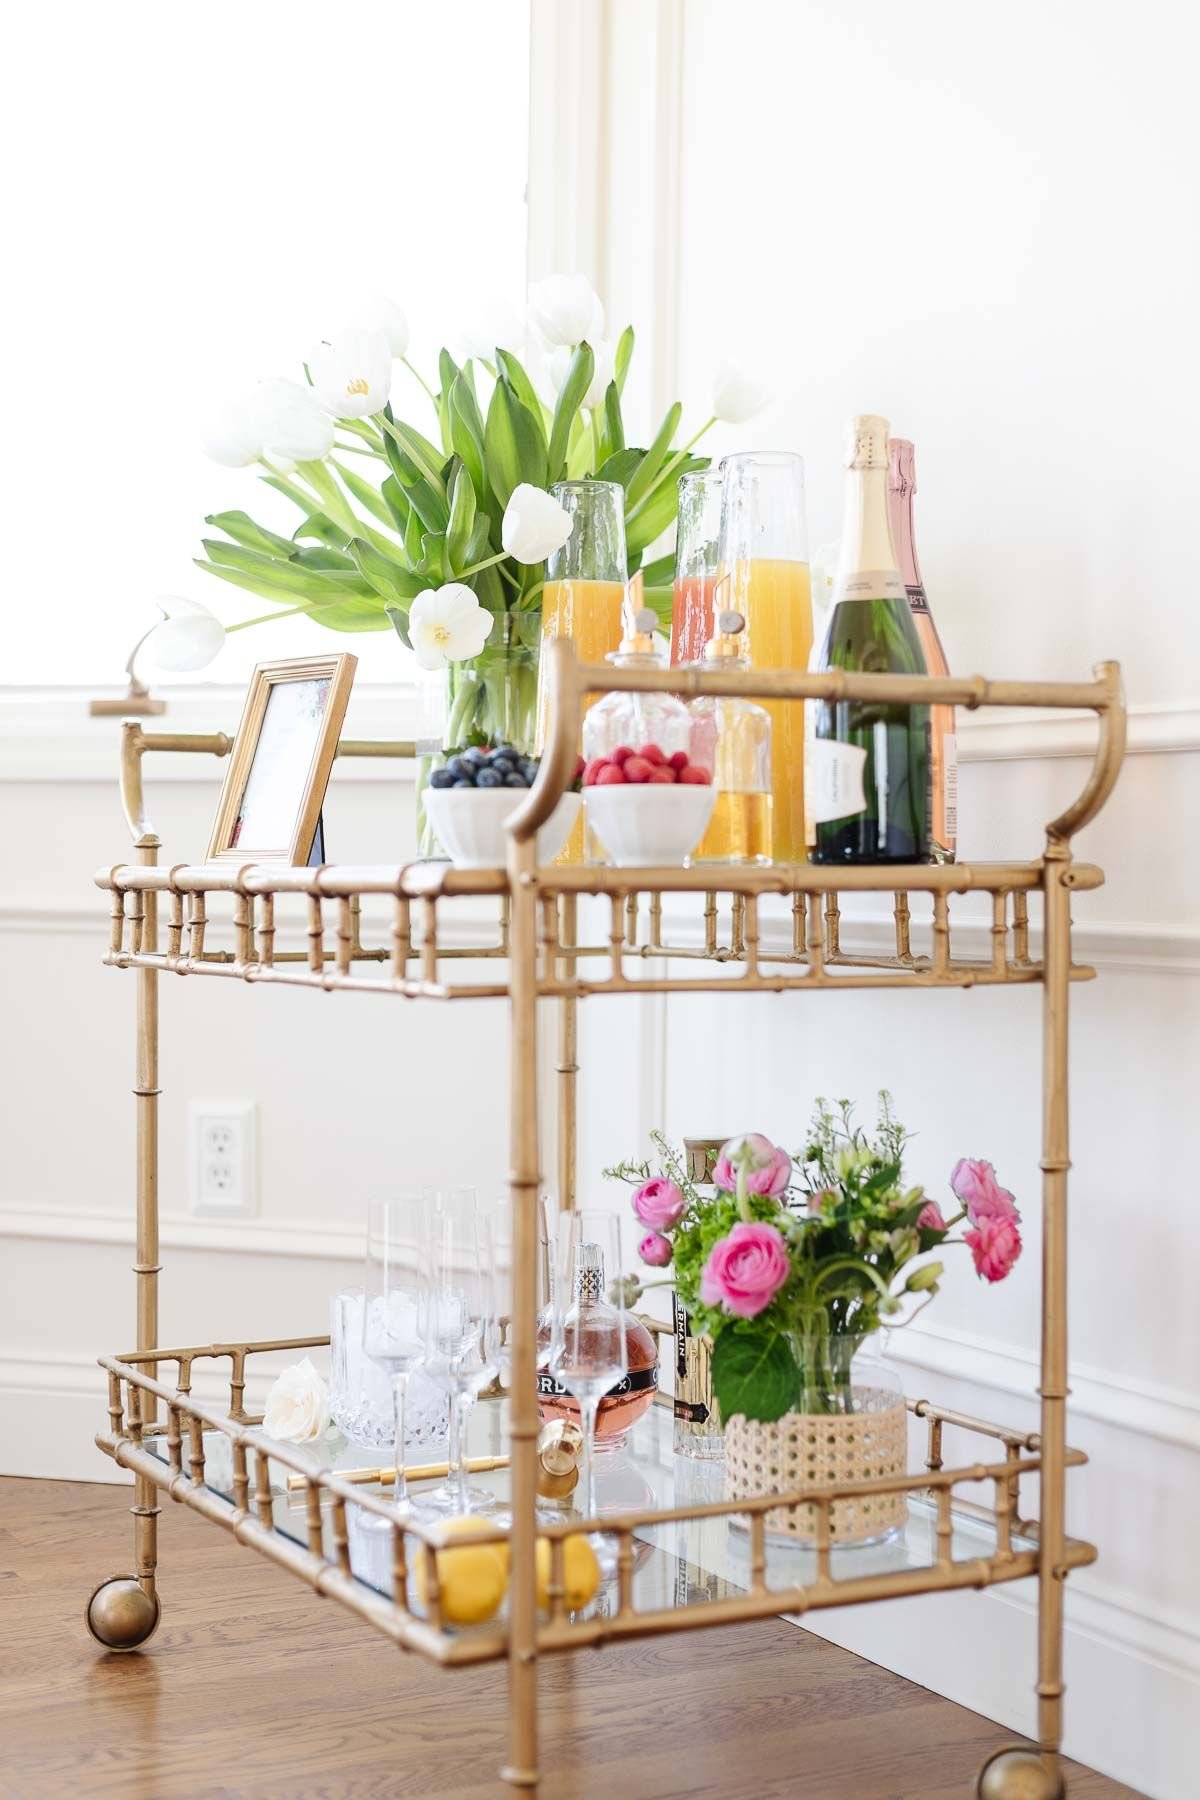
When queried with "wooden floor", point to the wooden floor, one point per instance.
{"points": [[255, 1687]]}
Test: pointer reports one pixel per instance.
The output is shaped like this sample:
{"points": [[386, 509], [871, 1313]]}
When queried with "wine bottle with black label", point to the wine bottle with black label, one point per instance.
{"points": [[869, 797]]}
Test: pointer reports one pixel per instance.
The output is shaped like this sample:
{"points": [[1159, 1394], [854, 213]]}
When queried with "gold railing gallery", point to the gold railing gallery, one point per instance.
{"points": [[566, 933]]}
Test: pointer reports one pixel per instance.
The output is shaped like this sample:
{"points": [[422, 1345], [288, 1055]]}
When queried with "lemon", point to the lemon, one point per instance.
{"points": [[581, 1572], [472, 1577]]}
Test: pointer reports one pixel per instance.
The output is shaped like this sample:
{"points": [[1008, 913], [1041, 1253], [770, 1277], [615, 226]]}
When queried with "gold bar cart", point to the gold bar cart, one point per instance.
{"points": [[773, 929]]}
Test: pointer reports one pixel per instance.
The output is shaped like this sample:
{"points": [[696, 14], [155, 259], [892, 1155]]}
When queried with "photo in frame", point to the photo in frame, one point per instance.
{"points": [[270, 807]]}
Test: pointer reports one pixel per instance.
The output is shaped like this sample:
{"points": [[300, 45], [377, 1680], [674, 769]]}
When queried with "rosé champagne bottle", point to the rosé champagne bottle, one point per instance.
{"points": [[943, 759]]}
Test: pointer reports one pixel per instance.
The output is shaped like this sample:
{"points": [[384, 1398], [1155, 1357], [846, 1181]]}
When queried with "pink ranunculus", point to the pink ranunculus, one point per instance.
{"points": [[768, 1169], [930, 1217], [655, 1249], [745, 1270], [659, 1204], [976, 1186], [995, 1243]]}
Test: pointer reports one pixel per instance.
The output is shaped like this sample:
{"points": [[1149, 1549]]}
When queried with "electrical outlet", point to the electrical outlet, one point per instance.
{"points": [[223, 1158]]}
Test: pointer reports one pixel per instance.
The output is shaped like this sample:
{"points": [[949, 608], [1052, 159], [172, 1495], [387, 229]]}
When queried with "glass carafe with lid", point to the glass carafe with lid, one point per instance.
{"points": [[623, 727]]}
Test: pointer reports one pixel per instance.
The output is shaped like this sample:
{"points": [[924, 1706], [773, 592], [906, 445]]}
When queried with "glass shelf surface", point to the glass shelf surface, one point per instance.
{"points": [[680, 1562]]}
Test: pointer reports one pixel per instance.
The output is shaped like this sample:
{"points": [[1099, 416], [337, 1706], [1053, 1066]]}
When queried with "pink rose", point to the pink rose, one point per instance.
{"points": [[659, 1204], [930, 1217], [995, 1244], [976, 1186], [768, 1169], [745, 1270], [655, 1250]]}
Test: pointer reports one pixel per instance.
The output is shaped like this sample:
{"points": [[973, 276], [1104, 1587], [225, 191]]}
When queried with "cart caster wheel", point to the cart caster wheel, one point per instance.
{"points": [[121, 1615], [1017, 1775]]}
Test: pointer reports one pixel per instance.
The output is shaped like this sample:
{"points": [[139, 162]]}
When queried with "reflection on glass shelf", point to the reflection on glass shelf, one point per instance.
{"points": [[682, 1562]]}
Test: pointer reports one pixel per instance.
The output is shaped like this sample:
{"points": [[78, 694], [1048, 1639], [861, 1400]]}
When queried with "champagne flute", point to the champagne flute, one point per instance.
{"points": [[588, 1352], [393, 1302], [461, 1334]]}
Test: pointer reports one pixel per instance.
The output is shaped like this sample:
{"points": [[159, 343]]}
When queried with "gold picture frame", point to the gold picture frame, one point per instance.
{"points": [[279, 768]]}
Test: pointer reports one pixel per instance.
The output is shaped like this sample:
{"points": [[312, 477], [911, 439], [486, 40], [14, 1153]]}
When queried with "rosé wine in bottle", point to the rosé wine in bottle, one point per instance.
{"points": [[943, 757], [630, 1398]]}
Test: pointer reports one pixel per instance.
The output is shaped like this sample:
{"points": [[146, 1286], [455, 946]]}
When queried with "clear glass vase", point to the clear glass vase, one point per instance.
{"points": [[488, 699]]}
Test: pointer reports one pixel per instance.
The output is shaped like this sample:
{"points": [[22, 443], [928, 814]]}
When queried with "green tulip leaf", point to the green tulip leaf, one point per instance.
{"points": [[243, 530], [570, 399], [621, 467], [466, 431], [366, 493], [655, 456], [623, 358], [661, 601], [660, 572], [754, 1373], [514, 373], [429, 505], [397, 501], [658, 509], [614, 424], [290, 574], [387, 578], [432, 566], [318, 525], [462, 521], [399, 618], [424, 457], [513, 445]]}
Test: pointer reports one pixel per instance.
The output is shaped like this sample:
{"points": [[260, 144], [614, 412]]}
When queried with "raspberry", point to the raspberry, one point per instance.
{"points": [[663, 774], [637, 769], [651, 753], [620, 755], [679, 761], [609, 775], [695, 776], [591, 773]]}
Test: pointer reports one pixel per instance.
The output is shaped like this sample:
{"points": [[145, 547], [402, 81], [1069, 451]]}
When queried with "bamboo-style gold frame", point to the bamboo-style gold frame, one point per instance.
{"points": [[338, 670], [543, 955]]}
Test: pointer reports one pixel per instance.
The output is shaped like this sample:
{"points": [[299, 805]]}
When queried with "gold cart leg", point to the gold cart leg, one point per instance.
{"points": [[124, 1610], [568, 1059], [521, 1770]]}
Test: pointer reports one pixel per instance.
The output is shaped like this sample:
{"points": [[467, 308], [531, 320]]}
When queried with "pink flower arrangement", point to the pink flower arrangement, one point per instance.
{"points": [[768, 1169], [655, 1249], [995, 1244], [976, 1186], [745, 1270], [659, 1204], [930, 1218]]}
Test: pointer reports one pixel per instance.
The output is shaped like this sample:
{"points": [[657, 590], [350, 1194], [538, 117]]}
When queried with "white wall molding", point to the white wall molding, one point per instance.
{"points": [[312, 1239], [1006, 734]]}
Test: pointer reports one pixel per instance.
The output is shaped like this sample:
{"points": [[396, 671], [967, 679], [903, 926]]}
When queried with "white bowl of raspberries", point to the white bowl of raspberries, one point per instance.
{"points": [[648, 809], [471, 799]]}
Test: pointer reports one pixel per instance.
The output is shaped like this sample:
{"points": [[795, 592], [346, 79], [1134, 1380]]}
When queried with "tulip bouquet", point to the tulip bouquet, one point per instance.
{"points": [[793, 1261], [443, 537]]}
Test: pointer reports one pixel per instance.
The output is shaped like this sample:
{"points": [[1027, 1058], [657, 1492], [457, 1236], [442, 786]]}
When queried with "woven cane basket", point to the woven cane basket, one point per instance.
{"points": [[804, 1450]]}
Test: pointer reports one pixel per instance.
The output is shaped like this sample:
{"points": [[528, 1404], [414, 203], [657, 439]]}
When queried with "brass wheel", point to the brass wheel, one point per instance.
{"points": [[121, 1615], [1018, 1774]]}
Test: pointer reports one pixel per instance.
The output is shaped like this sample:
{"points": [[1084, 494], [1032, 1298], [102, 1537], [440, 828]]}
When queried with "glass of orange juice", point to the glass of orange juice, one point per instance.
{"points": [[764, 571], [697, 549], [585, 591]]}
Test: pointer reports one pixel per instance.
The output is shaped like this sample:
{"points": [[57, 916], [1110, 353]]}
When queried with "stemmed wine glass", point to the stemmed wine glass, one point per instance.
{"points": [[588, 1351], [394, 1301], [461, 1331]]}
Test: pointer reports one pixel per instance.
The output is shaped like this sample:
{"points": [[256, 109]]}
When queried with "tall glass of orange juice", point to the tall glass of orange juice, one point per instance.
{"points": [[697, 548], [764, 571], [585, 590]]}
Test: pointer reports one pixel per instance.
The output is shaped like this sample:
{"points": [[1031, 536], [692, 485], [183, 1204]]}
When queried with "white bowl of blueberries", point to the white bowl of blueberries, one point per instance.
{"points": [[471, 799]]}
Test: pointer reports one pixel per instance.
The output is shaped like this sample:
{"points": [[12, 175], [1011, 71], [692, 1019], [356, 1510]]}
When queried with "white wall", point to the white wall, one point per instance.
{"points": [[982, 224]]}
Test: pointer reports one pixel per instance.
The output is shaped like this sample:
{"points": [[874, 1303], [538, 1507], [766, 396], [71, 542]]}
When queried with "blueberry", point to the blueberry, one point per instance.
{"points": [[515, 780], [489, 778], [460, 769], [475, 756], [464, 783], [503, 750], [503, 766], [529, 769], [441, 778]]}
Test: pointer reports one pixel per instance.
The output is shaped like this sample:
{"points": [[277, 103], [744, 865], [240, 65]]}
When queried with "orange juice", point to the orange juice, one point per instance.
{"points": [[774, 596], [589, 613]]}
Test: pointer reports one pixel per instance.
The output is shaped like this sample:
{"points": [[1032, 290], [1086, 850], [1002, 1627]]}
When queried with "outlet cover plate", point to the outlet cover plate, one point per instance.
{"points": [[222, 1141]]}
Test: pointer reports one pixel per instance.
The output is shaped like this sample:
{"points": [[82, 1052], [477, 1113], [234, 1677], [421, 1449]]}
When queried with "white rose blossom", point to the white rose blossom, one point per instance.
{"points": [[352, 373], [534, 524], [297, 1407], [189, 637], [447, 624], [566, 309], [736, 397]]}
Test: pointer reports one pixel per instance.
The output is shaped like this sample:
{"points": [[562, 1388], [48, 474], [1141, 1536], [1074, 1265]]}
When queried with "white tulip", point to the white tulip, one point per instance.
{"points": [[293, 426], [447, 624], [189, 637], [497, 327], [566, 309], [297, 1407], [382, 314], [736, 397], [352, 373], [534, 524], [234, 436]]}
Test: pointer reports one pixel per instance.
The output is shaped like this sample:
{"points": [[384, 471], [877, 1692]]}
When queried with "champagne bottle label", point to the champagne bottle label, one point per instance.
{"points": [[950, 783], [870, 584], [917, 602], [834, 779]]}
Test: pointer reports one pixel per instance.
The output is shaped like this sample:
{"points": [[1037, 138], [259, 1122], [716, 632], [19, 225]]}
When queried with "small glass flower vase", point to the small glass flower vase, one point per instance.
{"points": [[360, 1393], [851, 1425], [489, 698]]}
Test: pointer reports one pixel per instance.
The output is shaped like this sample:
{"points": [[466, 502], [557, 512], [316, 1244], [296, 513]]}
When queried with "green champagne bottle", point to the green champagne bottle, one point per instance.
{"points": [[869, 763]]}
